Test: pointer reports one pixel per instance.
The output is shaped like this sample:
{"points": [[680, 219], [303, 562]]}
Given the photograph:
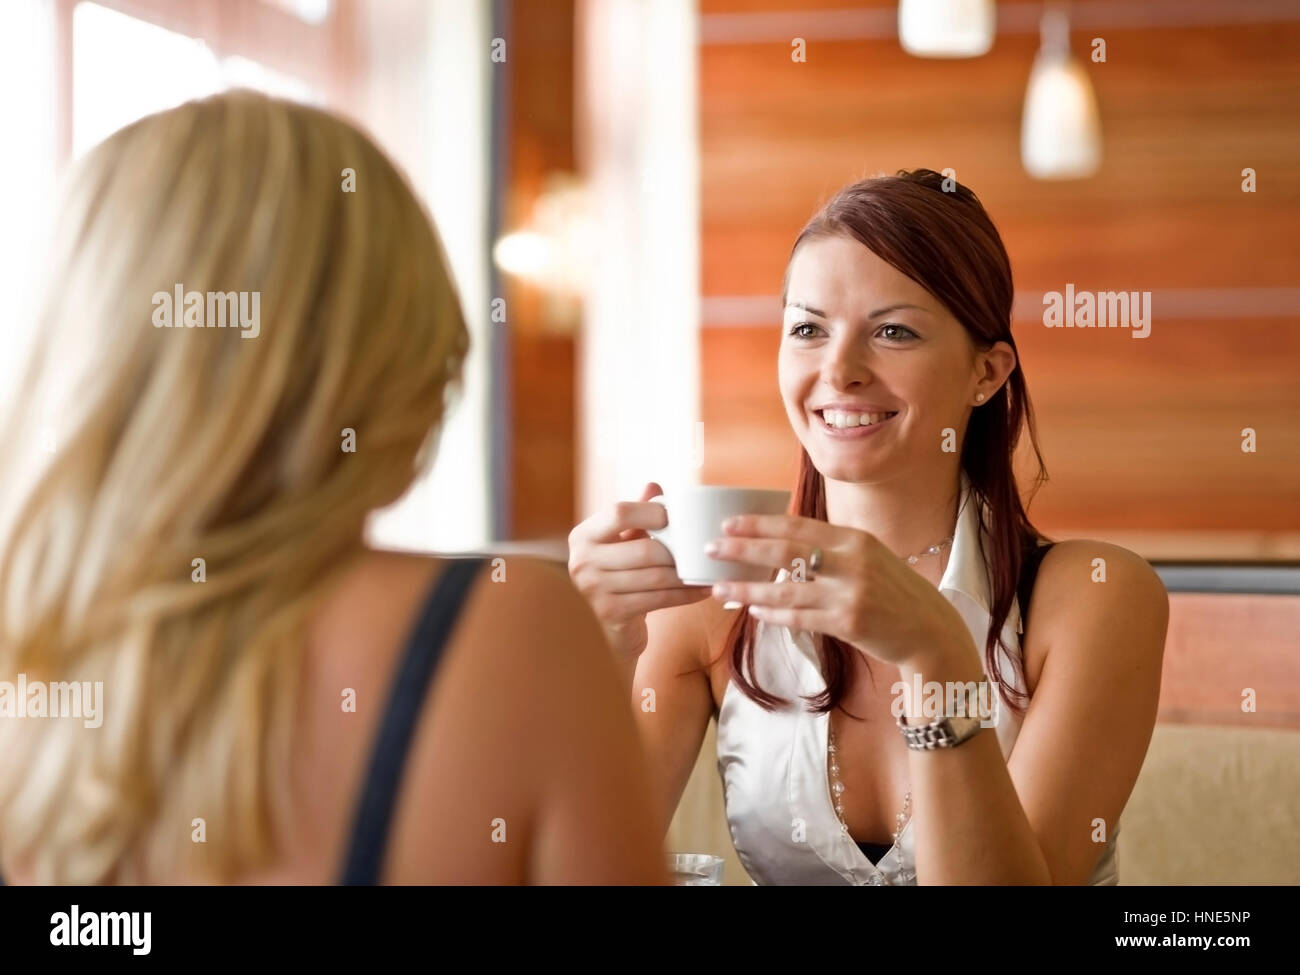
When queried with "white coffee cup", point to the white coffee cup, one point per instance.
{"points": [[695, 517]]}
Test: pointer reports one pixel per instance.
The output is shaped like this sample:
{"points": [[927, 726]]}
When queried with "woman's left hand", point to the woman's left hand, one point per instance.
{"points": [[861, 593]]}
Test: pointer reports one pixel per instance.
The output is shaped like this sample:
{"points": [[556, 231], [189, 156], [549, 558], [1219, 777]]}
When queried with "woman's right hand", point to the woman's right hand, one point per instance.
{"points": [[624, 573]]}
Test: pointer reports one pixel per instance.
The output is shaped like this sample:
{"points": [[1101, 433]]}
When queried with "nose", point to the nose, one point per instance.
{"points": [[844, 366]]}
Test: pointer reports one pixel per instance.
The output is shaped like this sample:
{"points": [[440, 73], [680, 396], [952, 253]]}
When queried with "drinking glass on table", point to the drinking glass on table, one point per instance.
{"points": [[695, 869]]}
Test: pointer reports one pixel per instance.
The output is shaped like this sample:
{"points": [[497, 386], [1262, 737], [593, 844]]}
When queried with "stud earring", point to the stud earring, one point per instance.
{"points": [[979, 397]]}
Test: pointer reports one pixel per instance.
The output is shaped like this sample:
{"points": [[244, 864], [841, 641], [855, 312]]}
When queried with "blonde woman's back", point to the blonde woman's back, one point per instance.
{"points": [[523, 767]]}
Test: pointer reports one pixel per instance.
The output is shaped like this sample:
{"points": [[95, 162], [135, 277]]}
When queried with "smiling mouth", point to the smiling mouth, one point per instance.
{"points": [[841, 420]]}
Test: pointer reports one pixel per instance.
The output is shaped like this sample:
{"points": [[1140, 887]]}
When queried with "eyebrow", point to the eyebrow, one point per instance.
{"points": [[875, 314]]}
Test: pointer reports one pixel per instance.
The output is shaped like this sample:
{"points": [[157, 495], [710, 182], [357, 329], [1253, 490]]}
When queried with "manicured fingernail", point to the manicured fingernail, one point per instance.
{"points": [[729, 524], [753, 611], [711, 548], [721, 590]]}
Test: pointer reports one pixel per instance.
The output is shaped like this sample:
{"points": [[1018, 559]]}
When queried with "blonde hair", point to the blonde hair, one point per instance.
{"points": [[177, 444]]}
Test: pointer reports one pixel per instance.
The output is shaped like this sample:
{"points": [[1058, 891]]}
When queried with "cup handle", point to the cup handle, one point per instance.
{"points": [[663, 535]]}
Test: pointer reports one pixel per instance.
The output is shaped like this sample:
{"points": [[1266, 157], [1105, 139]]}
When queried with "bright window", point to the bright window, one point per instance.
{"points": [[26, 50], [124, 68]]}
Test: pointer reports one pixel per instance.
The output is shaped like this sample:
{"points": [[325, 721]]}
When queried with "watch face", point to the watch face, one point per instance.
{"points": [[962, 728], [980, 707]]}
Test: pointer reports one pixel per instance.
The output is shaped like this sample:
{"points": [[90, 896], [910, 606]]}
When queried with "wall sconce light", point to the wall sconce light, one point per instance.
{"points": [[552, 252]]}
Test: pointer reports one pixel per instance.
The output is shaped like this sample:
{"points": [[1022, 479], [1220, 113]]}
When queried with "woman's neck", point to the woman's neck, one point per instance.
{"points": [[908, 515]]}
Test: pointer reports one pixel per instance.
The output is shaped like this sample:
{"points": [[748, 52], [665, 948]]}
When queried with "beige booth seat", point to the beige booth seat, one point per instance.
{"points": [[1214, 805]]}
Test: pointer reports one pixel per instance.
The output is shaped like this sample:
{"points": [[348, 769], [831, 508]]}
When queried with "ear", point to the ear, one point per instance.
{"points": [[992, 367]]}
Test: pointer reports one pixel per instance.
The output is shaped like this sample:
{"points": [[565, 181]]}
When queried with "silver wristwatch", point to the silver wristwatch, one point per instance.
{"points": [[976, 708], [940, 733]]}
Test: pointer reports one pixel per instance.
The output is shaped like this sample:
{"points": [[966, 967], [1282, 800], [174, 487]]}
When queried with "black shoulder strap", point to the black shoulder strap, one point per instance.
{"points": [[1028, 574], [410, 686]]}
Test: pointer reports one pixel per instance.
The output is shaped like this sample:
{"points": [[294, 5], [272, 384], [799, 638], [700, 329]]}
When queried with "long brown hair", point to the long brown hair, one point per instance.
{"points": [[936, 232]]}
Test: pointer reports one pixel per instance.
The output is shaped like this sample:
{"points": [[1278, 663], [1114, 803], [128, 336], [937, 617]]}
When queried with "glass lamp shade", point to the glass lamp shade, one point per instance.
{"points": [[946, 28], [1060, 134]]}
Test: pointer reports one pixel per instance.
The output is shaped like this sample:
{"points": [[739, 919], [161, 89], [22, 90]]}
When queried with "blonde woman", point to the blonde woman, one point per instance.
{"points": [[278, 703]]}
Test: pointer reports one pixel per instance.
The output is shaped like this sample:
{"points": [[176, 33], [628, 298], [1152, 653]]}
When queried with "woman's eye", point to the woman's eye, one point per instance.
{"points": [[902, 332], [798, 330]]}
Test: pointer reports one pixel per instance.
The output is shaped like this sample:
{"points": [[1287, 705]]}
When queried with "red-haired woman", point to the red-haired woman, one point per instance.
{"points": [[901, 380]]}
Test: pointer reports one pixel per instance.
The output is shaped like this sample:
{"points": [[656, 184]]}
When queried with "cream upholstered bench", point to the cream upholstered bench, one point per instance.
{"points": [[1214, 805]]}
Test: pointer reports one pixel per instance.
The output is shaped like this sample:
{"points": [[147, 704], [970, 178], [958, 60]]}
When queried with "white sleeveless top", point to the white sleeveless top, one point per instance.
{"points": [[773, 763]]}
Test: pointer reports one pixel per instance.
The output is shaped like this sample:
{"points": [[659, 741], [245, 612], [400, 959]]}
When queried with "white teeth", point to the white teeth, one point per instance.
{"points": [[840, 420]]}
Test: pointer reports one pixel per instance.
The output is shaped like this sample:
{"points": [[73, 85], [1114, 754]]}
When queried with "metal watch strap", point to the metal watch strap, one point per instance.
{"points": [[939, 733]]}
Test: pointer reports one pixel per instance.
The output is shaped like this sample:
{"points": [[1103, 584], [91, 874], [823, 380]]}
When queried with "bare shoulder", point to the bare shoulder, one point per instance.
{"points": [[1090, 586], [513, 605], [528, 642], [1116, 577], [524, 702], [694, 637], [525, 724], [522, 604]]}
